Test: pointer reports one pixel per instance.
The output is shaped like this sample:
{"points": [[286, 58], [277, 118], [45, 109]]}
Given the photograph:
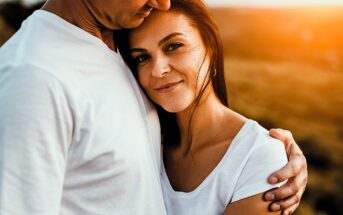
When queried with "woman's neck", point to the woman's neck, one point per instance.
{"points": [[207, 123]]}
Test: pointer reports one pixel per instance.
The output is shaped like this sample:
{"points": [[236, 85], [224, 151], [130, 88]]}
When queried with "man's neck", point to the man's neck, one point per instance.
{"points": [[76, 13]]}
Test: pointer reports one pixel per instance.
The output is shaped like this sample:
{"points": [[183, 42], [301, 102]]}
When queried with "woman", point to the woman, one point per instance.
{"points": [[216, 161]]}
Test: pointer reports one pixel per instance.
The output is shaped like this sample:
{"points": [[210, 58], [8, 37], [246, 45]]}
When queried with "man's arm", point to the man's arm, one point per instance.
{"points": [[34, 137], [288, 196]]}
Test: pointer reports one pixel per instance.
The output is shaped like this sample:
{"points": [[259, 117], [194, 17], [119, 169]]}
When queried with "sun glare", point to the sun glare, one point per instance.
{"points": [[273, 3]]}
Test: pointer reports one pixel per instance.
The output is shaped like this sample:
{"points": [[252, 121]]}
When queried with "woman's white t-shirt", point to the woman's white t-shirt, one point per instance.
{"points": [[243, 171]]}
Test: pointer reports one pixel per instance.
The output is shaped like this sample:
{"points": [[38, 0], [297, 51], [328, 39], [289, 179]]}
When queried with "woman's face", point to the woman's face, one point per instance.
{"points": [[171, 58]]}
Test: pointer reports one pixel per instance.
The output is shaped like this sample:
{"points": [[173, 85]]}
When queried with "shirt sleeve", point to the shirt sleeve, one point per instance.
{"points": [[35, 131], [267, 157]]}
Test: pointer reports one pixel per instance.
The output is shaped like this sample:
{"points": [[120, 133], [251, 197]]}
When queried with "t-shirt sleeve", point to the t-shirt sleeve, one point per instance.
{"points": [[35, 132], [267, 157]]}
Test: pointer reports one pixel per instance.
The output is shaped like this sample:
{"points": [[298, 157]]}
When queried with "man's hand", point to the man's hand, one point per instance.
{"points": [[287, 197]]}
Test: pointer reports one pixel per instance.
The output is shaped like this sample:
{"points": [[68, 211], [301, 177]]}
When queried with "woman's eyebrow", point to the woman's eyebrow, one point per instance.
{"points": [[165, 39], [175, 34], [138, 50]]}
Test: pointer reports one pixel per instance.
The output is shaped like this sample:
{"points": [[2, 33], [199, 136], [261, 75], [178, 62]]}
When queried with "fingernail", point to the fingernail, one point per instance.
{"points": [[270, 197], [273, 180], [275, 207]]}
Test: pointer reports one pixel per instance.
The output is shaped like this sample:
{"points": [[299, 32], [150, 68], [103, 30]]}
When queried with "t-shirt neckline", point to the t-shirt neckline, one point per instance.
{"points": [[214, 172]]}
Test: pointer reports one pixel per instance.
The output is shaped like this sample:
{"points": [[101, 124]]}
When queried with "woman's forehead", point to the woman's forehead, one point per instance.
{"points": [[160, 24]]}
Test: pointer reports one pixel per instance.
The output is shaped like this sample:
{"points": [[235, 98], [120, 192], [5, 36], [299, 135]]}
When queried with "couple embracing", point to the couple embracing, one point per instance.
{"points": [[89, 89]]}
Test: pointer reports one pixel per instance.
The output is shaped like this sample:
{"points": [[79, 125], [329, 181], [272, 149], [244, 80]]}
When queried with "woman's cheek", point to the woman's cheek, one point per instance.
{"points": [[189, 58], [143, 79]]}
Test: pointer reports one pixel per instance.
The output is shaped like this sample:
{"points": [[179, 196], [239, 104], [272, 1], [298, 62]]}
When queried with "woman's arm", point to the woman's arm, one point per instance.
{"points": [[254, 205]]}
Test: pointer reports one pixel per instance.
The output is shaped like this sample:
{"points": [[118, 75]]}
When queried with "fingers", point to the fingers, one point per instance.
{"points": [[283, 135], [296, 165], [294, 151], [292, 169], [287, 205], [290, 210], [289, 189], [288, 171], [280, 134], [287, 197], [293, 186]]}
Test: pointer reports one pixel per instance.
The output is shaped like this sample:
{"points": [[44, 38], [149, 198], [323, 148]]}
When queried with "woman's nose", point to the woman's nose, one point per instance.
{"points": [[160, 67]]}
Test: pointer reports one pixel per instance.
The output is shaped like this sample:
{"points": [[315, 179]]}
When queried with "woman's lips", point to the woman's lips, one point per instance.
{"points": [[166, 88]]}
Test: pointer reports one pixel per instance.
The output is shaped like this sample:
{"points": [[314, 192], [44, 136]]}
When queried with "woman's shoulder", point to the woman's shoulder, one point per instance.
{"points": [[260, 155], [256, 139], [254, 143], [260, 139]]}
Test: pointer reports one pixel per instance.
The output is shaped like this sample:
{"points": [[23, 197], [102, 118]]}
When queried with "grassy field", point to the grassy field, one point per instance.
{"points": [[284, 68]]}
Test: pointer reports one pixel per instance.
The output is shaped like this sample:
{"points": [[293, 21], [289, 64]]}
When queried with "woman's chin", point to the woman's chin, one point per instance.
{"points": [[173, 108]]}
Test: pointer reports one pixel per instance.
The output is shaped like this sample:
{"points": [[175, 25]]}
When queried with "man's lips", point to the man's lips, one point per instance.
{"points": [[168, 87], [145, 13]]}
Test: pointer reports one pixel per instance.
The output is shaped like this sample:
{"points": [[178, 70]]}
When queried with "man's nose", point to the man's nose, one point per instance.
{"points": [[160, 4]]}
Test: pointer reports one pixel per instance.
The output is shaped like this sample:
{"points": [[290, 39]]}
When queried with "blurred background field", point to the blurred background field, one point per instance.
{"points": [[284, 68]]}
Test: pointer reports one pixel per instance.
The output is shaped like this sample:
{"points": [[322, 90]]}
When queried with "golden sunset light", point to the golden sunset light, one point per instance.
{"points": [[283, 64], [272, 3]]}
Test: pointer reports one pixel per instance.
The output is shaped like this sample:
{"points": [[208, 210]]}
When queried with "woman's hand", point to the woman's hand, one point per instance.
{"points": [[288, 196]]}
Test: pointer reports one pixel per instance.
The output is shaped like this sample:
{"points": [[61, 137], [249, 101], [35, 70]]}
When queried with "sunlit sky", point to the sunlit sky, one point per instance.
{"points": [[251, 3], [272, 3]]}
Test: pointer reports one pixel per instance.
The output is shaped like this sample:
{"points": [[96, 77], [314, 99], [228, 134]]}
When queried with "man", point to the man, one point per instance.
{"points": [[77, 136]]}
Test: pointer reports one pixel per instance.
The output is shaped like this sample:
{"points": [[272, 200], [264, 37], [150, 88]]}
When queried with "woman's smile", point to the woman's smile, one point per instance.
{"points": [[167, 87]]}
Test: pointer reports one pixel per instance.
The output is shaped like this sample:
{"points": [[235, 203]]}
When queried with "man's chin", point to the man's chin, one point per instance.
{"points": [[134, 24]]}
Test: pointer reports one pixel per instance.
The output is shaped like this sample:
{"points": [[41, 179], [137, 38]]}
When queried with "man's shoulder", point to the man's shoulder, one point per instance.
{"points": [[26, 75]]}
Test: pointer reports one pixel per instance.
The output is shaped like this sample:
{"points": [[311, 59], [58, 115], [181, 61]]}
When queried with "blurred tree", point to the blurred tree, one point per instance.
{"points": [[15, 12]]}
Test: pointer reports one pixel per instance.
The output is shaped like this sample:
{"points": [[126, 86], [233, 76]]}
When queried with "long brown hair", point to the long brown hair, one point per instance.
{"points": [[201, 18]]}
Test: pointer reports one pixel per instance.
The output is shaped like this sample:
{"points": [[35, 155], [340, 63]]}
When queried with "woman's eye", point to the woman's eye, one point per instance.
{"points": [[142, 58], [173, 46]]}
